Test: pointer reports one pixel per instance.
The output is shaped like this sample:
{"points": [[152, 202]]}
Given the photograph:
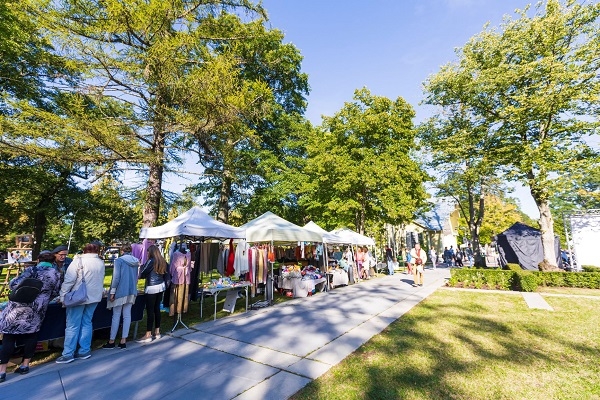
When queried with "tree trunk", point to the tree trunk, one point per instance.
{"points": [[547, 228], [224, 194], [537, 187], [154, 188]]}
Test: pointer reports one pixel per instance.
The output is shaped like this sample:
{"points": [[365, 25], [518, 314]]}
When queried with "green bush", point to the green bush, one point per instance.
{"points": [[479, 278], [525, 281], [590, 268], [514, 267], [522, 280]]}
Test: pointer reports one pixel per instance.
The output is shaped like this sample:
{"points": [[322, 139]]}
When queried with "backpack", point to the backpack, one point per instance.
{"points": [[27, 291]]}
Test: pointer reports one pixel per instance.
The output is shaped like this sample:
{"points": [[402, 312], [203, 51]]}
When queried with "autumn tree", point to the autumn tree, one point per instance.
{"points": [[535, 81]]}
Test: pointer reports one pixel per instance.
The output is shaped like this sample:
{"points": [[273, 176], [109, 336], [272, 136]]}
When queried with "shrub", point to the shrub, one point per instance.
{"points": [[514, 267], [478, 278], [525, 281], [590, 268]]}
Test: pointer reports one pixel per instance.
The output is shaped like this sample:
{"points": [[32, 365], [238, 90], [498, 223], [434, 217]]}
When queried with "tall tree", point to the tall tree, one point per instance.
{"points": [[536, 82], [359, 166], [157, 60], [244, 153]]}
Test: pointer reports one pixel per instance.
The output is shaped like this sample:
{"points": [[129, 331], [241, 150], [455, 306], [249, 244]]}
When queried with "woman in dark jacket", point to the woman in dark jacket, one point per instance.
{"points": [[23, 321], [154, 271]]}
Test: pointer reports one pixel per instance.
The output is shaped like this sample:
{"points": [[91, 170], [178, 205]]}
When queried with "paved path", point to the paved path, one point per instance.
{"points": [[265, 354]]}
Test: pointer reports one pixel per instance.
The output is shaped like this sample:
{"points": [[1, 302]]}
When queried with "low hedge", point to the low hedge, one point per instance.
{"points": [[524, 281]]}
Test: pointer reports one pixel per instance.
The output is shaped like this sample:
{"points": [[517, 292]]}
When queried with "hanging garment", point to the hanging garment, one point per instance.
{"points": [[180, 268], [240, 263], [195, 274], [179, 299], [230, 260], [221, 261]]}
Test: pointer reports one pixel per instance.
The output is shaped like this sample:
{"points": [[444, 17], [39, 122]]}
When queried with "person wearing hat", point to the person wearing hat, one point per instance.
{"points": [[61, 261], [22, 321]]}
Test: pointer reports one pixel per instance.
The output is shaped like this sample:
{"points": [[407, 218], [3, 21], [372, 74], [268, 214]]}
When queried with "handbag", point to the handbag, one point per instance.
{"points": [[27, 290], [79, 296]]}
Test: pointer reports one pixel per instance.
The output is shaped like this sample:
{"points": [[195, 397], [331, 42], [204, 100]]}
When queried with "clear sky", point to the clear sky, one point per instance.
{"points": [[388, 46]]}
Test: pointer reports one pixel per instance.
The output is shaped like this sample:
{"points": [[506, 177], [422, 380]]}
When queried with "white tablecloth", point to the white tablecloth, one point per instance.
{"points": [[339, 277]]}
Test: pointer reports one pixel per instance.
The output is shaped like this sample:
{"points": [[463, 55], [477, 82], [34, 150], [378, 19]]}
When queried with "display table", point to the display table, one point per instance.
{"points": [[55, 321], [338, 277], [215, 290], [300, 287]]}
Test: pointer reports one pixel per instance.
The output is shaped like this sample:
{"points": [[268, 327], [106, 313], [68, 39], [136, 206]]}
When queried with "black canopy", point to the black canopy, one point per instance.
{"points": [[521, 244]]}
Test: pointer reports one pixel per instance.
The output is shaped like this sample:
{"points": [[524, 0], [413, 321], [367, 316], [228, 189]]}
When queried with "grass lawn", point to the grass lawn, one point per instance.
{"points": [[467, 345]]}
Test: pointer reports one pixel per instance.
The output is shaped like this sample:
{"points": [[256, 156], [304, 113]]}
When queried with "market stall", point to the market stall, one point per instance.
{"points": [[336, 275], [272, 229], [197, 228]]}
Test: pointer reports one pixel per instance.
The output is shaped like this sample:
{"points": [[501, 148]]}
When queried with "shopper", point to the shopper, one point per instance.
{"points": [[419, 258], [78, 334], [153, 271], [23, 321], [121, 295]]}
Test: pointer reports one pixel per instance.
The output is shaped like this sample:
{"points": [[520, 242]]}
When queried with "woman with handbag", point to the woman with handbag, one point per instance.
{"points": [[154, 271], [86, 270], [22, 321]]}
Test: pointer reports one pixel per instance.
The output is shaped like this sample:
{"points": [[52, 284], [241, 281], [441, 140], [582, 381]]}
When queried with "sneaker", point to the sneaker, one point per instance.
{"points": [[22, 370], [123, 346], [2, 377], [83, 356], [415, 285], [156, 337], [145, 340], [109, 345], [65, 359]]}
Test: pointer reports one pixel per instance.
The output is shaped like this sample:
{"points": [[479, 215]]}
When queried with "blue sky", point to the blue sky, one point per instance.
{"points": [[388, 46]]}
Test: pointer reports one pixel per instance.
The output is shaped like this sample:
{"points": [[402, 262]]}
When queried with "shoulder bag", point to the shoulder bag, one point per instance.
{"points": [[27, 290], [79, 296]]}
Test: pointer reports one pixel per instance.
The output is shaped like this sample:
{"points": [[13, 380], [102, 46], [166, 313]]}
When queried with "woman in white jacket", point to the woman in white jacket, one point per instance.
{"points": [[79, 318]]}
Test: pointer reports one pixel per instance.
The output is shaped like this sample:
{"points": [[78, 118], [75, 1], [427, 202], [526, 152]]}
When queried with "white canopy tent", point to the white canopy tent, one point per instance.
{"points": [[272, 228], [194, 222], [350, 237], [327, 236]]}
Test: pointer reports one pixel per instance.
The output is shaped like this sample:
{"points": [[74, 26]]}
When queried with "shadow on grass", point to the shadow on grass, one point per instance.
{"points": [[432, 351]]}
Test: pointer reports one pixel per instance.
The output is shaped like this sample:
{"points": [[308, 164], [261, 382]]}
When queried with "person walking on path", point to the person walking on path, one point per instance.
{"points": [[409, 266], [154, 271], [79, 329], [122, 294], [419, 258], [22, 321], [433, 257], [389, 258]]}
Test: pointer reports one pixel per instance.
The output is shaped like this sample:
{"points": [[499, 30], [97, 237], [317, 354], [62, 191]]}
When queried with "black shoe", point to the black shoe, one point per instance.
{"points": [[109, 345], [123, 346], [22, 370], [2, 377]]}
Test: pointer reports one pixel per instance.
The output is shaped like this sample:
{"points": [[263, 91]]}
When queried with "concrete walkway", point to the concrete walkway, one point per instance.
{"points": [[265, 354]]}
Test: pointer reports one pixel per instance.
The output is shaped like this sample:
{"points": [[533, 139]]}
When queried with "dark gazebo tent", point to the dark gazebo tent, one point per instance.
{"points": [[521, 244]]}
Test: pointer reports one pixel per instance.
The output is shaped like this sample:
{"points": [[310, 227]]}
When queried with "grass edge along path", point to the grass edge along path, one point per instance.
{"points": [[470, 345]]}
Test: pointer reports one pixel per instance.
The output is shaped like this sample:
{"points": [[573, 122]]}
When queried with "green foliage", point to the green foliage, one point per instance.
{"points": [[525, 281], [479, 278], [518, 279], [514, 267], [533, 85], [359, 166], [590, 268]]}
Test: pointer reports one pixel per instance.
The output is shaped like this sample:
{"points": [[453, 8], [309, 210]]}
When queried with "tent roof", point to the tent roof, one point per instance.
{"points": [[351, 237], [194, 222], [519, 229], [270, 227], [327, 236]]}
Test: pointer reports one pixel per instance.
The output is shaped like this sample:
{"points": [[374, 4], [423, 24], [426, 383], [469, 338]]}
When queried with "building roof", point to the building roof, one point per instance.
{"points": [[436, 217]]}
